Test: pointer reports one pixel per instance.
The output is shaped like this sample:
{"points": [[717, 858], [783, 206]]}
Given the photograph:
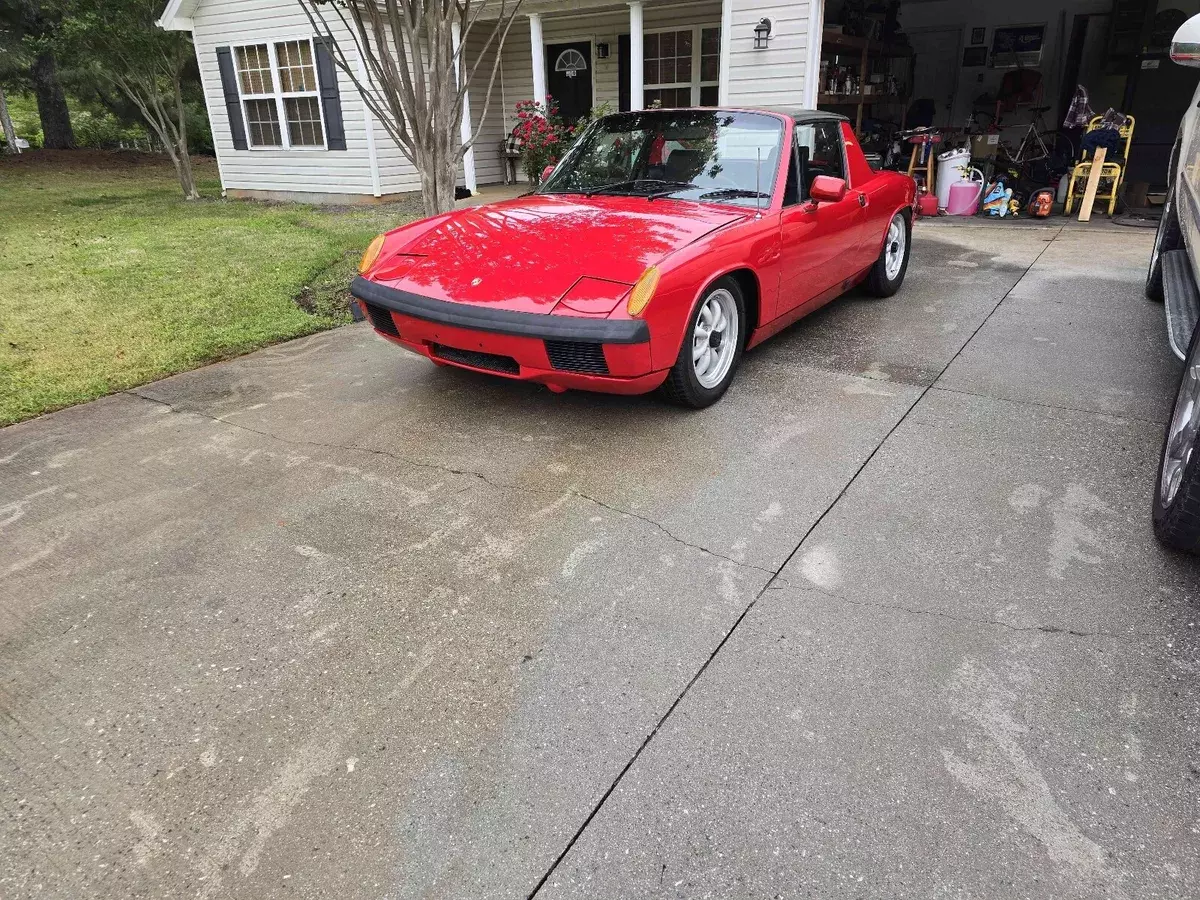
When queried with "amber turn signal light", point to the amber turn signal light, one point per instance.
{"points": [[372, 254], [643, 292]]}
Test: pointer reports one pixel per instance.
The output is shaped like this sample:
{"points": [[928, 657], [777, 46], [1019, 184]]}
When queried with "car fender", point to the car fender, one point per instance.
{"points": [[690, 271]]}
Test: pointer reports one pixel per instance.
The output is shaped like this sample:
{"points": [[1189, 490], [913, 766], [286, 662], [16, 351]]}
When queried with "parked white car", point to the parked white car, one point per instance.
{"points": [[1173, 277]]}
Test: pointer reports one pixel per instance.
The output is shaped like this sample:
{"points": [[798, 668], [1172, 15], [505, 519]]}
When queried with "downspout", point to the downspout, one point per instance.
{"points": [[812, 72], [369, 120]]}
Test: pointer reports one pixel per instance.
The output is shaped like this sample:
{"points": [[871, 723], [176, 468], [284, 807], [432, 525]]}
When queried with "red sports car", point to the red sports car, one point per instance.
{"points": [[662, 245]]}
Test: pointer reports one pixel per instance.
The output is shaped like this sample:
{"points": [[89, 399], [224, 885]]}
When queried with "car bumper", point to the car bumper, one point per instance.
{"points": [[609, 355]]}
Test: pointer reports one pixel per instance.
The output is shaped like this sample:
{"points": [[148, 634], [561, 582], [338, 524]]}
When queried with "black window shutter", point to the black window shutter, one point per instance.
{"points": [[331, 102], [233, 106]]}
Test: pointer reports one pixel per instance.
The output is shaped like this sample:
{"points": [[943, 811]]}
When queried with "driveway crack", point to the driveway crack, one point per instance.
{"points": [[466, 473], [780, 584]]}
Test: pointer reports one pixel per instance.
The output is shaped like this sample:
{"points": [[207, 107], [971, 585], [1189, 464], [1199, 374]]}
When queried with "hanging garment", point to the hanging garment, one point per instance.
{"points": [[1079, 113]]}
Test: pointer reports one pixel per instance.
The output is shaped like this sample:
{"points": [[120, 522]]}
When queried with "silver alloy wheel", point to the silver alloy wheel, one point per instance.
{"points": [[715, 337], [1181, 438], [893, 248]]}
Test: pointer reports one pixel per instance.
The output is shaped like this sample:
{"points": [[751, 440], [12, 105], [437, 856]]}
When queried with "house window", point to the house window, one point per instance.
{"points": [[681, 67], [278, 84]]}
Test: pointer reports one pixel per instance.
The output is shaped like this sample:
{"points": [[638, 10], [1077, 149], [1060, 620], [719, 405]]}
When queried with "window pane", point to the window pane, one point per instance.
{"points": [[262, 121], [254, 69], [296, 72], [650, 46], [710, 41], [710, 68], [650, 71], [666, 44], [304, 121], [683, 68], [708, 96], [666, 71], [683, 43], [652, 97]]}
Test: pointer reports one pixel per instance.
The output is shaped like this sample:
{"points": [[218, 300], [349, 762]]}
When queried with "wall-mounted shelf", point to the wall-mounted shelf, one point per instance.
{"points": [[835, 43]]}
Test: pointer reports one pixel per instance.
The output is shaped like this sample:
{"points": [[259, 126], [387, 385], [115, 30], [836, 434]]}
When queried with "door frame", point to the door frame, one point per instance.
{"points": [[589, 39], [957, 64]]}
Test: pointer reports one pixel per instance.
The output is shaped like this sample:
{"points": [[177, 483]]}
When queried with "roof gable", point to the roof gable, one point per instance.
{"points": [[178, 15]]}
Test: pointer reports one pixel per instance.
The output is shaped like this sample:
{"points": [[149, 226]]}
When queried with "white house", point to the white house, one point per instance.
{"points": [[287, 124]]}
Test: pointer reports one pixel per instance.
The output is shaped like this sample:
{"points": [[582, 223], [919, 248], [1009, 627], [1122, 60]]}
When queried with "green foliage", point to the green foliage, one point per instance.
{"points": [[103, 131], [110, 279], [26, 122]]}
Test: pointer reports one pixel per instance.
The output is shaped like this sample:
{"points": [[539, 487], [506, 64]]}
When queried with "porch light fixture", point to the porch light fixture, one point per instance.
{"points": [[762, 31]]}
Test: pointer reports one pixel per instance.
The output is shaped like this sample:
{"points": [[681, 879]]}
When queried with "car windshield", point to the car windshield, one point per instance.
{"points": [[691, 154]]}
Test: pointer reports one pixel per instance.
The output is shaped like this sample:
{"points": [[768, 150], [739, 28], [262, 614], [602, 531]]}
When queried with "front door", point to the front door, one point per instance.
{"points": [[569, 78], [819, 242]]}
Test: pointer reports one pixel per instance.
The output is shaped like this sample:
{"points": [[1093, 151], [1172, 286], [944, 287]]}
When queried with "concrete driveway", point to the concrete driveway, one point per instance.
{"points": [[888, 621]]}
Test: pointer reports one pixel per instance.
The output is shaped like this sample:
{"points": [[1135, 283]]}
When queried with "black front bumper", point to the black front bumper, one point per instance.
{"points": [[502, 321]]}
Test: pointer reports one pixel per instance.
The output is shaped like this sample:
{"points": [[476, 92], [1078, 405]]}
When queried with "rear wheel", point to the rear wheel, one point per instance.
{"points": [[887, 274], [712, 347], [1177, 490]]}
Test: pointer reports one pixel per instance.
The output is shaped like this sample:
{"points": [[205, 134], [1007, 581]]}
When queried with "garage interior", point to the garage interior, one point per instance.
{"points": [[977, 68]]}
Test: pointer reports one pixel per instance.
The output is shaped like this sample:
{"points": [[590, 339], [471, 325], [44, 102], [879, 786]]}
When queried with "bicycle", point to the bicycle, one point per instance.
{"points": [[1042, 155]]}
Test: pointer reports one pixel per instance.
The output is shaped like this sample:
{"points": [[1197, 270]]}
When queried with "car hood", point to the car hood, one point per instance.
{"points": [[525, 254]]}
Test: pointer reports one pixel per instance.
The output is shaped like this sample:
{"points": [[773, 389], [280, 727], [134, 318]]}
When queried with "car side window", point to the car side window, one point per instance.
{"points": [[823, 141]]}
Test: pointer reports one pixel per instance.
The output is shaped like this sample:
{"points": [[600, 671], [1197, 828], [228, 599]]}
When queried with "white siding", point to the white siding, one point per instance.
{"points": [[489, 168], [222, 23], [772, 77]]}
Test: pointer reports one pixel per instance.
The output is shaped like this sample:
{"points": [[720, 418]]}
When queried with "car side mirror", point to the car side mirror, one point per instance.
{"points": [[1185, 45], [546, 173], [828, 188]]}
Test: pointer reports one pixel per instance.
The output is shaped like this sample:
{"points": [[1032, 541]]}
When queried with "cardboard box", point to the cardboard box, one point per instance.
{"points": [[984, 146]]}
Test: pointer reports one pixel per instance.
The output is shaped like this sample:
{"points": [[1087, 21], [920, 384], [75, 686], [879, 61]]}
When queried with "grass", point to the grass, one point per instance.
{"points": [[109, 279]]}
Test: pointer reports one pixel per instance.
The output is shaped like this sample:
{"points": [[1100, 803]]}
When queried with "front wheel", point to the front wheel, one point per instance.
{"points": [[712, 347], [887, 274], [1177, 488]]}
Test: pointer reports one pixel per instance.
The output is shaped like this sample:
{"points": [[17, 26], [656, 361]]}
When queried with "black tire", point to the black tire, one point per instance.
{"points": [[683, 385], [1168, 237], [878, 283], [1177, 521]]}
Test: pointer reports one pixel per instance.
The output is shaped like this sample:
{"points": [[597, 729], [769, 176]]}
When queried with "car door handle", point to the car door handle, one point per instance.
{"points": [[862, 198]]}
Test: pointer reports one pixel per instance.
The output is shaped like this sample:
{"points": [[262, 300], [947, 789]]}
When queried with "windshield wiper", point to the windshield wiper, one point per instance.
{"points": [[678, 186], [731, 193], [622, 187]]}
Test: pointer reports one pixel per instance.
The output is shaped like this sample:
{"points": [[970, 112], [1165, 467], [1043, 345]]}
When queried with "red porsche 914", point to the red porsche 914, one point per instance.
{"points": [[662, 245]]}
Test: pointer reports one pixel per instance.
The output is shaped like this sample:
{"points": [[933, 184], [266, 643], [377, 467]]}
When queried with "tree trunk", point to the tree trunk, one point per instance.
{"points": [[183, 168], [52, 104], [10, 133], [439, 172]]}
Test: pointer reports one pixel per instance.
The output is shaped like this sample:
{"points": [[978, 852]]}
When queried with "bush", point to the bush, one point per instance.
{"points": [[104, 131]]}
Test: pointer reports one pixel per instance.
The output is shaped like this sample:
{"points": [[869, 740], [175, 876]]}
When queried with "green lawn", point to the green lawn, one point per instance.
{"points": [[108, 279]]}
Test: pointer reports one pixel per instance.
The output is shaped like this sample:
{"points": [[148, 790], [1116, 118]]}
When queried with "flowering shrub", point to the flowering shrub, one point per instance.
{"points": [[542, 135]]}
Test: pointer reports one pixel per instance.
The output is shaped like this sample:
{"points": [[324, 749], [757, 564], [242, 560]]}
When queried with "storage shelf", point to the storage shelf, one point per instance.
{"points": [[855, 99], [873, 48]]}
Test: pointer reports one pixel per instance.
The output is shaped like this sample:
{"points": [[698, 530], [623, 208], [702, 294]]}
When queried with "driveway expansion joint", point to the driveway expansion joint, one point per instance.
{"points": [[466, 473]]}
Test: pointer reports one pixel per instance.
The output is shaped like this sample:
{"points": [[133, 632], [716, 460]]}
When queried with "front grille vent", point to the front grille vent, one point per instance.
{"points": [[577, 356], [477, 359], [381, 319]]}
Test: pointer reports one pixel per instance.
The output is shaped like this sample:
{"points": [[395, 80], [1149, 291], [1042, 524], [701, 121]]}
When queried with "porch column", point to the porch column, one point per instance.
{"points": [[538, 52], [637, 92], [726, 38], [464, 128]]}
